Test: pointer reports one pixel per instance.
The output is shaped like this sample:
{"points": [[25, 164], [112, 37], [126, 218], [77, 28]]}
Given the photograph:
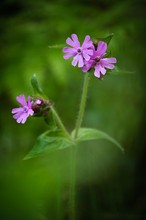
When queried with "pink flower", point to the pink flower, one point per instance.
{"points": [[38, 102], [98, 62], [80, 53], [22, 113]]}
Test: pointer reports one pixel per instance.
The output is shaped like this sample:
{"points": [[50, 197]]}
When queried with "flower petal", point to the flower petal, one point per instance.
{"points": [[22, 118], [75, 60], [87, 42], [16, 110], [21, 99], [97, 71], [67, 56], [29, 104], [110, 60], [69, 42], [30, 112], [73, 43], [76, 41], [17, 115], [86, 56], [109, 66], [102, 70], [91, 51], [101, 49], [105, 63], [69, 50], [81, 62], [85, 69], [78, 59], [88, 65]]}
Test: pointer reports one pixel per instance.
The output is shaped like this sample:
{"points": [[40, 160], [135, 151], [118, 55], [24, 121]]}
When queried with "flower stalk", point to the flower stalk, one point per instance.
{"points": [[74, 148], [59, 122], [82, 105], [73, 183]]}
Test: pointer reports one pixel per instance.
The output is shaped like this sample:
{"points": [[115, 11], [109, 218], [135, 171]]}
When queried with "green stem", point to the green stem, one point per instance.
{"points": [[82, 105], [73, 183], [59, 122], [74, 148]]}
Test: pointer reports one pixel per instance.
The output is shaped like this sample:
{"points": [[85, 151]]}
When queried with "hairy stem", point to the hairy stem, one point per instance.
{"points": [[74, 148], [73, 183], [82, 105], [59, 122]]}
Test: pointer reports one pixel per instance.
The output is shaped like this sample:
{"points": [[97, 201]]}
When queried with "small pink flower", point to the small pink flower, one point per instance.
{"points": [[98, 62], [22, 113], [38, 102], [80, 53]]}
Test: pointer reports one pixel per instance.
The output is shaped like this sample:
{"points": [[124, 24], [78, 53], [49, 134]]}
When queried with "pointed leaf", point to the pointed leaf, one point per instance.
{"points": [[48, 142], [37, 89], [105, 39], [117, 71], [86, 134]]}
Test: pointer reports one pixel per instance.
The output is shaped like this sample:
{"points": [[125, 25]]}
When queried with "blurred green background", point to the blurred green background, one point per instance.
{"points": [[110, 185]]}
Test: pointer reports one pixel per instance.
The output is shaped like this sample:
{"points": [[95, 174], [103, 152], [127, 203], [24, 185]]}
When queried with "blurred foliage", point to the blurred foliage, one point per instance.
{"points": [[109, 185]]}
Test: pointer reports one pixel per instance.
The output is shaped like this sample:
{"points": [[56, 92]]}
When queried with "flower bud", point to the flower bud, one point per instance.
{"points": [[95, 43], [41, 107]]}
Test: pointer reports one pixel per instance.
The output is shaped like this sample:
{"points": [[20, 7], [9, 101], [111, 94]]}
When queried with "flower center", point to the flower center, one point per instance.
{"points": [[25, 109], [97, 59], [79, 50]]}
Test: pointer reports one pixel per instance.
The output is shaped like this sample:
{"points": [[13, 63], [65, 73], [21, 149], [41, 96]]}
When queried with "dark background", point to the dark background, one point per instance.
{"points": [[110, 185]]}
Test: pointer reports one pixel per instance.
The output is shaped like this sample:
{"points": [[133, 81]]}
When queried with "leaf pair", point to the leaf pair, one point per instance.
{"points": [[57, 140]]}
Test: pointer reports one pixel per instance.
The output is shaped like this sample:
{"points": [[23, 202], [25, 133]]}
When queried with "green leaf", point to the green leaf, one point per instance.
{"points": [[105, 39], [117, 70], [48, 142], [37, 89], [87, 134], [56, 46]]}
